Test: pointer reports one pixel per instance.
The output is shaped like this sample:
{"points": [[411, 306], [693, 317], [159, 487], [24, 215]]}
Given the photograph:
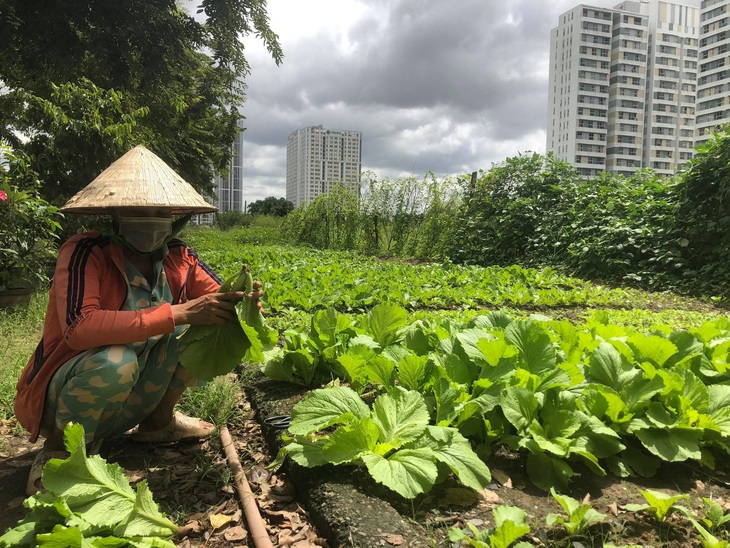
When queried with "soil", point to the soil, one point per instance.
{"points": [[339, 506]]}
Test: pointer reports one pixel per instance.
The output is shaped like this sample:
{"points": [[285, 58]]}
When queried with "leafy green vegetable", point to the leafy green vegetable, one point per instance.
{"points": [[207, 351], [659, 504], [511, 524], [580, 515], [89, 502], [393, 441]]}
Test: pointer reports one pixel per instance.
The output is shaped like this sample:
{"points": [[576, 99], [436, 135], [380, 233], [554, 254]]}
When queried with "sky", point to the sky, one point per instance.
{"points": [[449, 86]]}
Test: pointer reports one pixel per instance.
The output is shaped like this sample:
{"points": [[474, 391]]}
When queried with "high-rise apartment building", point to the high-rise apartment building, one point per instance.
{"points": [[622, 86], [713, 83], [318, 159], [229, 186]]}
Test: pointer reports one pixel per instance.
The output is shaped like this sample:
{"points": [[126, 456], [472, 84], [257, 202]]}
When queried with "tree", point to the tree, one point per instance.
{"points": [[704, 219], [278, 207], [87, 79]]}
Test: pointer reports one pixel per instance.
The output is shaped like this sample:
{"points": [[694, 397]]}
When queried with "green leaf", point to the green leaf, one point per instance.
{"points": [[207, 351], [385, 323], [580, 516], [408, 472], [534, 345], [501, 359], [413, 372], [419, 339], [63, 537], [671, 444], [496, 319], [511, 525], [307, 452], [467, 344], [606, 366], [652, 348], [145, 519], [326, 325], [519, 406], [454, 450], [325, 407], [546, 472], [348, 442], [448, 396], [381, 370], [255, 351], [401, 416], [354, 366], [92, 487], [22, 534], [660, 504], [634, 461], [603, 402]]}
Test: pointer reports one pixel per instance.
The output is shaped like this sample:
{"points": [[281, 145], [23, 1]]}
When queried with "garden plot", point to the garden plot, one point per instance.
{"points": [[548, 382]]}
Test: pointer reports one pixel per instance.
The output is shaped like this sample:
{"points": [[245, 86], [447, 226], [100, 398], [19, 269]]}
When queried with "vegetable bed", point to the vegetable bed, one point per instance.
{"points": [[434, 404]]}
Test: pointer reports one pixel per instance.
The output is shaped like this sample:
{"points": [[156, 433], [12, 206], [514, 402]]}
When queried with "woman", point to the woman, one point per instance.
{"points": [[108, 355]]}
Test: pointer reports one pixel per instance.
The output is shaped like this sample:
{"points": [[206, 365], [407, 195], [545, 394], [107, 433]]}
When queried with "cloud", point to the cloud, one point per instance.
{"points": [[449, 87]]}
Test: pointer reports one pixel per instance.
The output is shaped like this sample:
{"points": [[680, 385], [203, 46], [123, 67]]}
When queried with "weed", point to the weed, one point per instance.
{"points": [[20, 331], [216, 401]]}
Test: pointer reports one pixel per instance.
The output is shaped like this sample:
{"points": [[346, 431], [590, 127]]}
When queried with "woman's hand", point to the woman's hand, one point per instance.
{"points": [[211, 309], [256, 294]]}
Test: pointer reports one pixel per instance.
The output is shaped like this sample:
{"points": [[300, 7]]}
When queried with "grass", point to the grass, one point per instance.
{"points": [[20, 332], [216, 401]]}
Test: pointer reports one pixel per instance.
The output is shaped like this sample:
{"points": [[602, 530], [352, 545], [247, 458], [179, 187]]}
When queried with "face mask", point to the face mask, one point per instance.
{"points": [[145, 234]]}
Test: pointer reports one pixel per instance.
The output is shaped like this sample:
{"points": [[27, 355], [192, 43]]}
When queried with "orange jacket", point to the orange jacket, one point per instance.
{"points": [[83, 312]]}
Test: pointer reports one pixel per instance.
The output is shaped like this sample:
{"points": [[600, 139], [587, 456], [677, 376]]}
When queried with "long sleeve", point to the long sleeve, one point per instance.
{"points": [[80, 278]]}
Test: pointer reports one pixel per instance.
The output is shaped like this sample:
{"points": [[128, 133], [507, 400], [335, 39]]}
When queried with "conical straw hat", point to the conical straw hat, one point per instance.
{"points": [[138, 179]]}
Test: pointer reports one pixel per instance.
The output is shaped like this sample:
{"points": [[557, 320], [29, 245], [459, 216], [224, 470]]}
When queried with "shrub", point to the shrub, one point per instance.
{"points": [[29, 225]]}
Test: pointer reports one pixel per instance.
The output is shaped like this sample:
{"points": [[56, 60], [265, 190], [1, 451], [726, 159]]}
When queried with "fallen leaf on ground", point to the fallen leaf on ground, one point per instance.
{"points": [[134, 476], [502, 478], [393, 539], [613, 508], [191, 528], [219, 520], [490, 497], [287, 538], [258, 475], [236, 533]]}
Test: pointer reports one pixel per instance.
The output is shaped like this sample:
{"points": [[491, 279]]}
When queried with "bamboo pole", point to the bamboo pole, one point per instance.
{"points": [[250, 509]]}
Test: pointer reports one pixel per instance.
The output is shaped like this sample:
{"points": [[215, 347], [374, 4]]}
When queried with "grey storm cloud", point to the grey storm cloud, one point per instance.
{"points": [[433, 85]]}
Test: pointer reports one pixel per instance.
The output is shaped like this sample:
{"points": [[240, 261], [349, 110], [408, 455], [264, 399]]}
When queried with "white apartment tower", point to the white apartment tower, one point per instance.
{"points": [[228, 187], [318, 159], [622, 86], [713, 83]]}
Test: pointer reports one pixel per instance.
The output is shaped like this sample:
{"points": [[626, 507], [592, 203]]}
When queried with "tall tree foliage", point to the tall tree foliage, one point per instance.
{"points": [[278, 207], [704, 215], [86, 79]]}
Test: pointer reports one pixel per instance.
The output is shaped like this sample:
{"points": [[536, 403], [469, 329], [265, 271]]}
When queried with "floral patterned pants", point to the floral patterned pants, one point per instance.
{"points": [[110, 389]]}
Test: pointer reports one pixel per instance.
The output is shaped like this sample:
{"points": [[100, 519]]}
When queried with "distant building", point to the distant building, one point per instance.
{"points": [[713, 82], [623, 86], [229, 188], [318, 159]]}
